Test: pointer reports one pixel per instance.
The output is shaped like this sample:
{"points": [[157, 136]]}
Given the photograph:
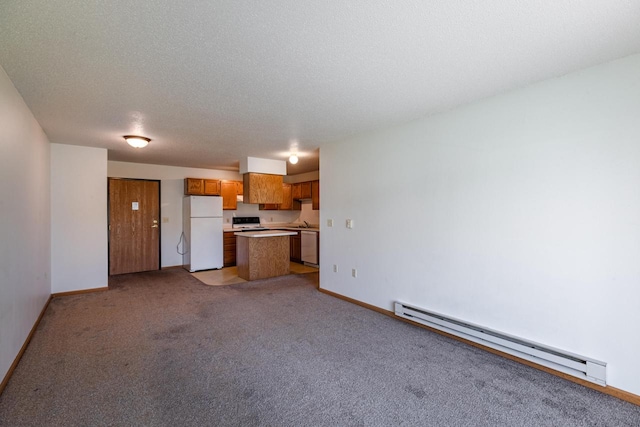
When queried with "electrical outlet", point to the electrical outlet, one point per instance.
{"points": [[349, 223], [329, 223], [354, 272], [335, 268], [227, 220]]}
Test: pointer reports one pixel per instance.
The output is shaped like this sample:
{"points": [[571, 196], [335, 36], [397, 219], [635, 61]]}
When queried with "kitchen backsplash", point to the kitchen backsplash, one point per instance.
{"points": [[305, 214]]}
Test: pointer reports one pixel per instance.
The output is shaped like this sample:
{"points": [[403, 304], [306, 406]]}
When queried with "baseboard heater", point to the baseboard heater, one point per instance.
{"points": [[560, 360]]}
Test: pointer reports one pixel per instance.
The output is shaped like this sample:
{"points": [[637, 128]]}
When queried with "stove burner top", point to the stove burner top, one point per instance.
{"points": [[247, 223]]}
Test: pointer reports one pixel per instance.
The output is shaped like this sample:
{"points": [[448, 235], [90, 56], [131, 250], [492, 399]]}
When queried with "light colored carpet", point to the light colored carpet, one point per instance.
{"points": [[229, 275]]}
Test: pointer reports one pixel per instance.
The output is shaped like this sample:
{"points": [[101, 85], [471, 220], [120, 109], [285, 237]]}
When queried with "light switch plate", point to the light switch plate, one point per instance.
{"points": [[329, 223], [349, 223]]}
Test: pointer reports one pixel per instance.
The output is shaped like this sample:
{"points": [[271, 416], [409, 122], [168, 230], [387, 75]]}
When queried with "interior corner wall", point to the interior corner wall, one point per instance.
{"points": [[25, 266], [79, 237], [520, 213]]}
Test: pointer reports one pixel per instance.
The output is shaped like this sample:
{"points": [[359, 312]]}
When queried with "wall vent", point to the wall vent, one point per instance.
{"points": [[560, 360]]}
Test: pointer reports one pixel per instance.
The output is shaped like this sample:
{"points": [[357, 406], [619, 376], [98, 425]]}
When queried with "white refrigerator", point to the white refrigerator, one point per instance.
{"points": [[202, 227]]}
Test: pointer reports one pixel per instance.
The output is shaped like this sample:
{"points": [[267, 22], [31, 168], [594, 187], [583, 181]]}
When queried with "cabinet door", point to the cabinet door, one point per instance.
{"points": [[296, 193], [212, 187], [287, 202], [229, 195], [295, 247], [239, 188], [262, 188], [305, 190], [315, 195], [193, 187], [229, 249]]}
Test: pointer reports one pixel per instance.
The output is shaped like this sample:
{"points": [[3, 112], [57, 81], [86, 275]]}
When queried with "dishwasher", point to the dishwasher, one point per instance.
{"points": [[309, 247]]}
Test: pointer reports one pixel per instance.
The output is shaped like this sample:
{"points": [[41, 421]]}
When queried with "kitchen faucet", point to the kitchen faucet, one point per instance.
{"points": [[306, 224]]}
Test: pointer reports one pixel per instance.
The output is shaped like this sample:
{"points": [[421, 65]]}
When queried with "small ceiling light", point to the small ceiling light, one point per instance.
{"points": [[136, 141], [293, 159]]}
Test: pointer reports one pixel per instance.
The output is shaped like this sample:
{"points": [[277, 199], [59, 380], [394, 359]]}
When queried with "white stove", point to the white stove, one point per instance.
{"points": [[247, 223]]}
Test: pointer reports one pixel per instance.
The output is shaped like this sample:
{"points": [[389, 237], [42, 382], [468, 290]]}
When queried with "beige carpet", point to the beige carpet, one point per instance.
{"points": [[229, 275]]}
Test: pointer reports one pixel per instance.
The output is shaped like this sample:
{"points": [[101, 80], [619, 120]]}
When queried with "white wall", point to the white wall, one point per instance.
{"points": [[171, 194], [79, 236], [520, 213], [25, 266]]}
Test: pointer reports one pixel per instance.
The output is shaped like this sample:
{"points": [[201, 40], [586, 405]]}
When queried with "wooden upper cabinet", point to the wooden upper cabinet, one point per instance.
{"points": [[305, 190], [239, 187], [296, 191], [288, 204], [268, 206], [193, 186], [211, 187], [315, 195], [201, 187], [262, 188], [287, 201], [229, 192]]}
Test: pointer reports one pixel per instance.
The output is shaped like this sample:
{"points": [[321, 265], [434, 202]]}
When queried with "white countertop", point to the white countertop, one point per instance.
{"points": [[276, 227], [265, 233]]}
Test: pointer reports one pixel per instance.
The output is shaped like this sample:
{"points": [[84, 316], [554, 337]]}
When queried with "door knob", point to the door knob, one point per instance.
{"points": [[154, 226]]}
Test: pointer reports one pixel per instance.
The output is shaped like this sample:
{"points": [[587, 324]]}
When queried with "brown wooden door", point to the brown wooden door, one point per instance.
{"points": [[134, 229]]}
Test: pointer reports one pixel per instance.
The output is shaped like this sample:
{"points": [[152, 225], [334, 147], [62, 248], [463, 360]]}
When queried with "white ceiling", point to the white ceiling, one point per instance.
{"points": [[212, 82]]}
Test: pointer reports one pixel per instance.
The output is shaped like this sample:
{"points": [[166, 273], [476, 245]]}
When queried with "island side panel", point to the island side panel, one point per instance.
{"points": [[262, 257], [242, 257]]}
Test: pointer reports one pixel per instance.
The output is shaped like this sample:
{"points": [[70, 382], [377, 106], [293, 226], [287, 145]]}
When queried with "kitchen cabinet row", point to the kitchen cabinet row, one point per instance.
{"points": [[293, 193], [229, 242], [230, 190]]}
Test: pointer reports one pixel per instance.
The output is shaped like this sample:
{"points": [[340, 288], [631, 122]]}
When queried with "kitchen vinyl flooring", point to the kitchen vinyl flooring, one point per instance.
{"points": [[229, 275]]}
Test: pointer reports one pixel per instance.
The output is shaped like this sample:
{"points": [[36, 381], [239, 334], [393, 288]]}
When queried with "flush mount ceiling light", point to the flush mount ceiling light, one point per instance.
{"points": [[293, 159], [136, 141]]}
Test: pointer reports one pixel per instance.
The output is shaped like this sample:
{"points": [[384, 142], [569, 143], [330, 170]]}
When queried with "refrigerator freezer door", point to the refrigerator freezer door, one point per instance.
{"points": [[206, 244], [206, 206]]}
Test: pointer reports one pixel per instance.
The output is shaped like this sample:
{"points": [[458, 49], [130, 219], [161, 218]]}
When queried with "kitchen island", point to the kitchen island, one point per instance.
{"points": [[262, 254]]}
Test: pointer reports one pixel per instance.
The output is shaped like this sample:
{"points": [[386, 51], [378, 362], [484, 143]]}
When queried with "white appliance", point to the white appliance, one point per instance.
{"points": [[202, 247], [309, 247]]}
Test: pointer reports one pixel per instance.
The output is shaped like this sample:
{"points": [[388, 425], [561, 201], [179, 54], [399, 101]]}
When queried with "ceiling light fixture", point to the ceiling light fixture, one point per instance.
{"points": [[136, 141], [293, 159]]}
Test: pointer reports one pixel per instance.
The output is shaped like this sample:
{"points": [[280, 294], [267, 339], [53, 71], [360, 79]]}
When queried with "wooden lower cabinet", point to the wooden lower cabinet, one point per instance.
{"points": [[295, 243], [229, 252]]}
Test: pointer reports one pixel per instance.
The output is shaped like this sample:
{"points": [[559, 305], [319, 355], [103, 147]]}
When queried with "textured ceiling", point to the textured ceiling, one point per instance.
{"points": [[213, 82]]}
